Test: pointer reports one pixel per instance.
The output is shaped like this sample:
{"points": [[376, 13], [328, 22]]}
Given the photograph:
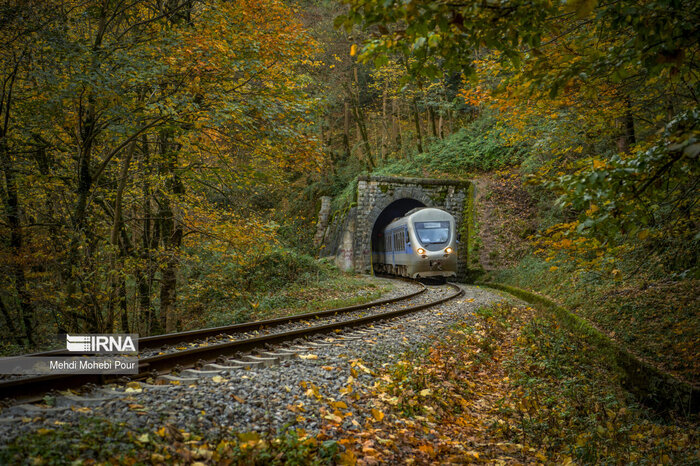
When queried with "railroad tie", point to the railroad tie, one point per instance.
{"points": [[27, 408], [166, 379], [220, 367], [319, 344], [351, 338], [244, 364], [264, 361], [72, 400], [198, 373], [301, 349], [281, 355]]}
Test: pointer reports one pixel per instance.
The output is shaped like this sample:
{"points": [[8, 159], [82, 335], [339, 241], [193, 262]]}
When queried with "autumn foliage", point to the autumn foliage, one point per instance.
{"points": [[134, 136]]}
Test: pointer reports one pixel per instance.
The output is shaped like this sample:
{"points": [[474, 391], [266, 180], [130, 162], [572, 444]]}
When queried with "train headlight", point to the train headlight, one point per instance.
{"points": [[448, 250], [420, 251]]}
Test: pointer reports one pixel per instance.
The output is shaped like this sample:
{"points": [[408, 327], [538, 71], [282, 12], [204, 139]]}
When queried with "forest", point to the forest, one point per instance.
{"points": [[162, 161]]}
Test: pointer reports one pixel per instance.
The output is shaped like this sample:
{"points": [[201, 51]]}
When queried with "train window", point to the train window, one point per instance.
{"points": [[433, 232]]}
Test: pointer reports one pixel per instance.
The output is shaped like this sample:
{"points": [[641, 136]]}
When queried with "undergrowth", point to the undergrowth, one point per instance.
{"points": [[100, 441], [571, 403], [280, 282], [512, 386], [654, 318], [480, 146]]}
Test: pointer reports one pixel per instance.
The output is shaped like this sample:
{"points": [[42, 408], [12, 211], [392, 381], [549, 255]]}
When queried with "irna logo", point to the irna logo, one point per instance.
{"points": [[102, 344]]}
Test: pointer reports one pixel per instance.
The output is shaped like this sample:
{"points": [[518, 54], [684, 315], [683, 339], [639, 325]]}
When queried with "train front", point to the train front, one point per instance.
{"points": [[434, 243]]}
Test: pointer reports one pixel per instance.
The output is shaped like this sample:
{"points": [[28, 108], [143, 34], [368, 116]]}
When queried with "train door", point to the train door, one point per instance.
{"points": [[393, 249], [406, 246]]}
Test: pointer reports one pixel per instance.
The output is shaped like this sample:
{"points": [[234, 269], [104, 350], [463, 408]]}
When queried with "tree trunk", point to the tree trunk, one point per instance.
{"points": [[171, 233], [117, 255], [144, 278], [433, 123], [385, 124], [419, 131], [13, 211], [346, 129], [397, 125], [627, 137], [10, 324]]}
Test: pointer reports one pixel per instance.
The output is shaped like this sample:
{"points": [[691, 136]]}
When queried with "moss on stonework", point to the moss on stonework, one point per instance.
{"points": [[439, 197], [384, 188]]}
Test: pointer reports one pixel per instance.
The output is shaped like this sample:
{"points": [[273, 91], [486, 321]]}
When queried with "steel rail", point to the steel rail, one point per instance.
{"points": [[32, 388], [156, 341]]}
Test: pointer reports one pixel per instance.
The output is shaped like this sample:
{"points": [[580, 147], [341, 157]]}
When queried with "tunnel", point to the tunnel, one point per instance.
{"points": [[394, 210]]}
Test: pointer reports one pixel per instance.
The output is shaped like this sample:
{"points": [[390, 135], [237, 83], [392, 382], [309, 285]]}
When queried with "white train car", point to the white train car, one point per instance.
{"points": [[421, 244]]}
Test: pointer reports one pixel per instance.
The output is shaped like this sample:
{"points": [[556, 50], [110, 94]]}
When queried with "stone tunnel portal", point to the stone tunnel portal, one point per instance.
{"points": [[350, 236], [396, 209]]}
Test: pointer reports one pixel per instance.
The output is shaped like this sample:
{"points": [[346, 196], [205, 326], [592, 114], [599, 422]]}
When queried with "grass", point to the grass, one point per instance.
{"points": [[658, 320], [337, 290]]}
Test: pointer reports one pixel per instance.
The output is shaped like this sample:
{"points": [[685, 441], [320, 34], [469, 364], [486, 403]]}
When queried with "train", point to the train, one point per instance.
{"points": [[421, 244]]}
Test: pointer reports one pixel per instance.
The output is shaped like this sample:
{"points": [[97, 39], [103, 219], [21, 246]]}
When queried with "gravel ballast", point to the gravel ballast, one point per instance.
{"points": [[264, 399]]}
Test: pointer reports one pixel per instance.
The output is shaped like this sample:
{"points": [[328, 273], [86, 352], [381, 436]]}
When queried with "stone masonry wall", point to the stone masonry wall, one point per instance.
{"points": [[352, 248]]}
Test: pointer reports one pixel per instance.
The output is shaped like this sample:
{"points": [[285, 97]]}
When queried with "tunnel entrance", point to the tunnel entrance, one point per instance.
{"points": [[394, 210]]}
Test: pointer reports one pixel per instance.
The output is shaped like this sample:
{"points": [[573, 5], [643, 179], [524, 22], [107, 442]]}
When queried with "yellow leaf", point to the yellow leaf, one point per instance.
{"points": [[217, 379], [378, 415], [425, 392], [353, 50], [308, 356], [333, 417], [598, 164], [347, 458]]}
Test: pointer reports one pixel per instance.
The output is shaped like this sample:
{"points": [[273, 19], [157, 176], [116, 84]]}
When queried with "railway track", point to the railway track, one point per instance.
{"points": [[211, 349]]}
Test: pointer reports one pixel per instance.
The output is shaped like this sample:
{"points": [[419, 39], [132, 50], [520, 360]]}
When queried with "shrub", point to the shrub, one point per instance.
{"points": [[276, 269]]}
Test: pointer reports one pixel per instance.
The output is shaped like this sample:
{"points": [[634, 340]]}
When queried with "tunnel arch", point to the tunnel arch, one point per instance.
{"points": [[396, 209], [384, 212], [354, 231]]}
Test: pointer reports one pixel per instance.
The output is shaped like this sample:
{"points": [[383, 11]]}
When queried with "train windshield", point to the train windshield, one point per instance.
{"points": [[433, 232]]}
